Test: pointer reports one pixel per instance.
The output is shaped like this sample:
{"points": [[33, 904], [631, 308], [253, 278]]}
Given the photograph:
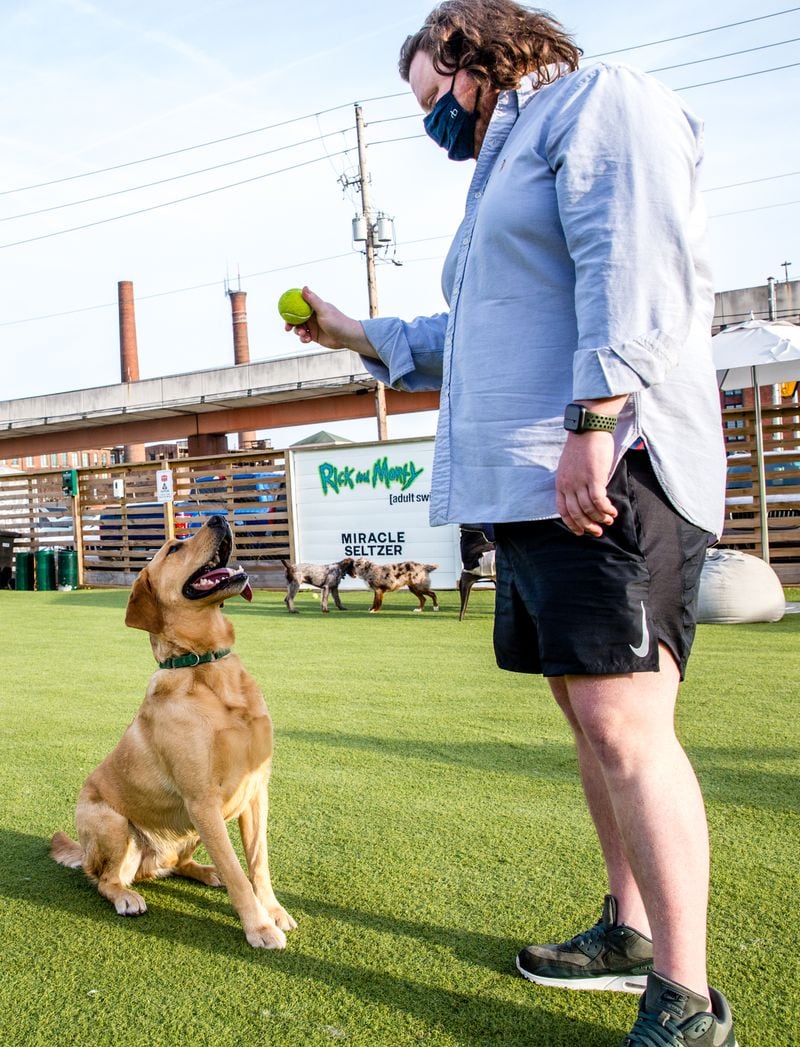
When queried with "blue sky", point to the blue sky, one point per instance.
{"points": [[94, 85]]}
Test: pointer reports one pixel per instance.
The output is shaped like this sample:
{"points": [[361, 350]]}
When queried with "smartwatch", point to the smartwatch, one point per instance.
{"points": [[578, 420]]}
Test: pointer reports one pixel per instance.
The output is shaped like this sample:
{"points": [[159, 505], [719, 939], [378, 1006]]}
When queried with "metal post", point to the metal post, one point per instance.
{"points": [[169, 509], [762, 483], [77, 533], [372, 289]]}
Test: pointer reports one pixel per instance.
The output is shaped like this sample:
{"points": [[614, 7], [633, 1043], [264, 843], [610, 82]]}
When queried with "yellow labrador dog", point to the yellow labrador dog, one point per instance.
{"points": [[197, 754]]}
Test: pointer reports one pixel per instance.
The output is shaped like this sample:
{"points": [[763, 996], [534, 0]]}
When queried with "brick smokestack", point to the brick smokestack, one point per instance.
{"points": [[129, 354], [241, 347], [128, 348]]}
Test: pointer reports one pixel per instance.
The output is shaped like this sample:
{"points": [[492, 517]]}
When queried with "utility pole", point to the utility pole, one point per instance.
{"points": [[372, 288], [785, 266]]}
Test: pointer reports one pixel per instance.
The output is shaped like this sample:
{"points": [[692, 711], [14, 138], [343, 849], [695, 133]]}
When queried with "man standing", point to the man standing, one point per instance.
{"points": [[579, 413]]}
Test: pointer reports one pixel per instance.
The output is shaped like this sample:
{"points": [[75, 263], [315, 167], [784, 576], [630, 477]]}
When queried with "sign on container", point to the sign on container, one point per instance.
{"points": [[370, 500]]}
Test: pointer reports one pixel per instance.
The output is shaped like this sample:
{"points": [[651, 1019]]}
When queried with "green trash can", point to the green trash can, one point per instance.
{"points": [[23, 571], [67, 565], [45, 570]]}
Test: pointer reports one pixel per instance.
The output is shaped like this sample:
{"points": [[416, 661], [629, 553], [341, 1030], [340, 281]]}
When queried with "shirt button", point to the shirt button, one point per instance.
{"points": [[478, 194]]}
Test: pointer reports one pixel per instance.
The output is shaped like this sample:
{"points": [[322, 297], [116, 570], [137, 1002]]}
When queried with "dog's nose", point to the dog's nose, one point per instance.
{"points": [[219, 522]]}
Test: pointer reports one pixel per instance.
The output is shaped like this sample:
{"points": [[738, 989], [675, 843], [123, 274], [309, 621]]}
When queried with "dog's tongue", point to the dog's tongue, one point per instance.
{"points": [[212, 578]]}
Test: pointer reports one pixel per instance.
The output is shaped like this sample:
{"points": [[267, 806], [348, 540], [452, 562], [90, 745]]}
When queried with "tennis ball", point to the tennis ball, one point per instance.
{"points": [[293, 307]]}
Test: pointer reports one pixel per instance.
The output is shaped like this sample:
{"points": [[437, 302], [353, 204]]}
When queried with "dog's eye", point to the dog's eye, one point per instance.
{"points": [[173, 548]]}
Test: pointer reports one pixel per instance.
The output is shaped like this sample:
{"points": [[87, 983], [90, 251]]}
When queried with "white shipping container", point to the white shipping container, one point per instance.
{"points": [[370, 500]]}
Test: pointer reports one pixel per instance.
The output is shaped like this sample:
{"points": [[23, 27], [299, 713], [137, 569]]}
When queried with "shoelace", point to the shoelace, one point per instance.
{"points": [[654, 1030], [585, 937]]}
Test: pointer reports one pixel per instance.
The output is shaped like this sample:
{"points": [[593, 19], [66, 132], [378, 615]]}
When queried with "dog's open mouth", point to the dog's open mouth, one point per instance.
{"points": [[215, 577]]}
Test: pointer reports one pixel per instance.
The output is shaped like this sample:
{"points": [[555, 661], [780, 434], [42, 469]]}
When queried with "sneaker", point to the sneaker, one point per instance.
{"points": [[608, 956], [670, 1015]]}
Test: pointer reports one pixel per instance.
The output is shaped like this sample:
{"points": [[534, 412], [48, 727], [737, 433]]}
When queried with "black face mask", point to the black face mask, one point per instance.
{"points": [[452, 127]]}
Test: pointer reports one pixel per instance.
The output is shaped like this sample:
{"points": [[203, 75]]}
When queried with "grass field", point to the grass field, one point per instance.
{"points": [[426, 822]]}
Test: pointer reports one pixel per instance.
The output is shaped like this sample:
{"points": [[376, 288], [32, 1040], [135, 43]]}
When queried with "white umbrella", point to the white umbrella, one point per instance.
{"points": [[751, 354], [772, 347]]}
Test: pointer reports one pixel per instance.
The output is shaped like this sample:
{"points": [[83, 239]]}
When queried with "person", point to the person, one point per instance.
{"points": [[579, 413]]}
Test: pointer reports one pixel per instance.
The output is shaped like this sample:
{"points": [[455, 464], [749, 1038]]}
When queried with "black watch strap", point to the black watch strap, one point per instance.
{"points": [[578, 420]]}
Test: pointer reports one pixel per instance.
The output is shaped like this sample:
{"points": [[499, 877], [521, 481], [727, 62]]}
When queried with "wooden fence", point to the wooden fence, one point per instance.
{"points": [[781, 428], [120, 524]]}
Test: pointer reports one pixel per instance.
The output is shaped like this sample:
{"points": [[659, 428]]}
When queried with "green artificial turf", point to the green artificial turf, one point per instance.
{"points": [[426, 821]]}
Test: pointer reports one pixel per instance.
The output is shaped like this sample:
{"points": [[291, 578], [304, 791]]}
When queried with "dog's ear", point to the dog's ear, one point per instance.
{"points": [[143, 610]]}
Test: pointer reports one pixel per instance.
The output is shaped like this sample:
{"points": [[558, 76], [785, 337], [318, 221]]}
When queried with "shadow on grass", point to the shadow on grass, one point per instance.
{"points": [[470, 1018], [723, 780], [546, 760]]}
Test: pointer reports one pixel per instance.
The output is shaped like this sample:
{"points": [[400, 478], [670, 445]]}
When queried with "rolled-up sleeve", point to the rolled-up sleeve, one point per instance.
{"points": [[625, 155], [411, 352]]}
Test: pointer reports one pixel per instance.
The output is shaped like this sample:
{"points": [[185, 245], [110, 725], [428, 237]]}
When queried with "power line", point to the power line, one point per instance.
{"points": [[699, 32], [387, 141], [730, 54], [198, 145], [750, 210], [322, 136], [741, 76], [170, 203], [752, 181], [347, 254], [173, 178], [175, 290], [378, 98]]}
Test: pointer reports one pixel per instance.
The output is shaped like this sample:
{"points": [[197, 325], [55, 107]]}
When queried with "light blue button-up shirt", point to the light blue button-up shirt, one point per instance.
{"points": [[579, 271]]}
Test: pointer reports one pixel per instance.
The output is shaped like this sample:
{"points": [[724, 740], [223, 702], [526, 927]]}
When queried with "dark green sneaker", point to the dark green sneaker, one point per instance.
{"points": [[670, 1015], [608, 956]]}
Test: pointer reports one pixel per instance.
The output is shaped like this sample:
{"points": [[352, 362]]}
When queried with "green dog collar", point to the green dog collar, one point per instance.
{"points": [[188, 661]]}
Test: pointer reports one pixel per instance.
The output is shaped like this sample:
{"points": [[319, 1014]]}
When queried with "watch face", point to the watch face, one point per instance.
{"points": [[573, 417]]}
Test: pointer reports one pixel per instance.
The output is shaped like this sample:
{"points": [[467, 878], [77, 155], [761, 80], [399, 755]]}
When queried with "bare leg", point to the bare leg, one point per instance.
{"points": [[627, 722], [630, 907]]}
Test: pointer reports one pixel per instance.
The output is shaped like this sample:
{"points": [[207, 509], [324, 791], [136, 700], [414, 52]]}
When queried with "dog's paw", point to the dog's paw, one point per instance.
{"points": [[282, 917], [129, 903], [267, 936], [418, 610], [436, 608]]}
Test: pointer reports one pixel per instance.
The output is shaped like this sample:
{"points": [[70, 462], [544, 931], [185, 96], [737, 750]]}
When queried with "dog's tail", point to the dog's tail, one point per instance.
{"points": [[287, 566], [65, 851]]}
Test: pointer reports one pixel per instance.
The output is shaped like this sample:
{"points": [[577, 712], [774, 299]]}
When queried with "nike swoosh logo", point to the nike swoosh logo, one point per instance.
{"points": [[644, 646]]}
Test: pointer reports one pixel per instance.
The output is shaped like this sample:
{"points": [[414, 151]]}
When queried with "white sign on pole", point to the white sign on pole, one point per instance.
{"points": [[370, 500], [164, 488]]}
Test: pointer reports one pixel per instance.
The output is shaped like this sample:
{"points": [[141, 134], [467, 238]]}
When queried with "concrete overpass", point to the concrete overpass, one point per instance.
{"points": [[201, 406]]}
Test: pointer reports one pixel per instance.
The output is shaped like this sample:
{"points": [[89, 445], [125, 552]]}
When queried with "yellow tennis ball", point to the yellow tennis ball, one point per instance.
{"points": [[293, 307]]}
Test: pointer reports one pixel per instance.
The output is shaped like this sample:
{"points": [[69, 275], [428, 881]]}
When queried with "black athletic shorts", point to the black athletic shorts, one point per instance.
{"points": [[569, 605]]}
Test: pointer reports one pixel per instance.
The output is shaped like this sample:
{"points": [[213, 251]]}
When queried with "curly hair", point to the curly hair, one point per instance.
{"points": [[498, 41]]}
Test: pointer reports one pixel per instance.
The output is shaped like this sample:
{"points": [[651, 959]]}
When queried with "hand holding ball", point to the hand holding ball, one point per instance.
{"points": [[293, 307]]}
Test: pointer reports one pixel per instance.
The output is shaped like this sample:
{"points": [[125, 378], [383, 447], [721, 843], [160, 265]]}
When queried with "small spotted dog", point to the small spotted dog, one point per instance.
{"points": [[325, 576], [385, 578]]}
